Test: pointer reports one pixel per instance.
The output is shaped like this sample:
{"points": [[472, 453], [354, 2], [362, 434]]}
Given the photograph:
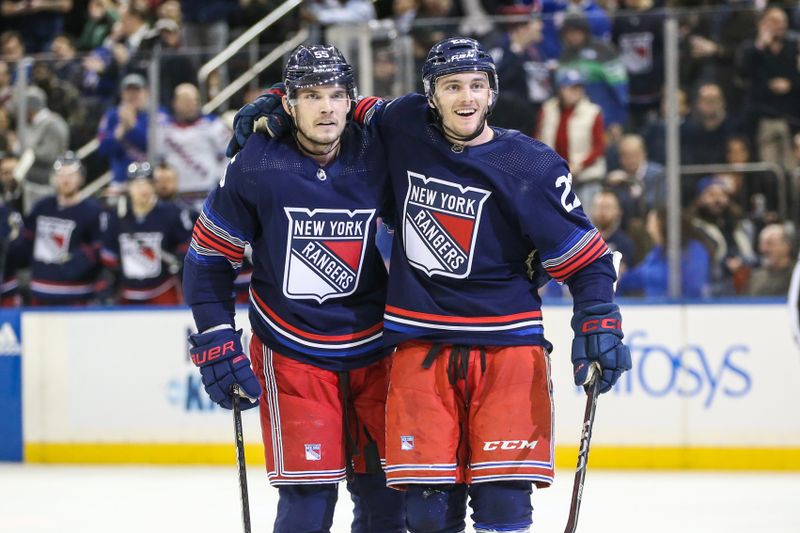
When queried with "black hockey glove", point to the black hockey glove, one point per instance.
{"points": [[598, 339], [265, 114], [222, 364]]}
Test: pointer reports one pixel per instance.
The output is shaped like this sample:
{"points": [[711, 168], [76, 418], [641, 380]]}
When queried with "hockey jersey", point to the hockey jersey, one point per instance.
{"points": [[466, 222], [196, 150], [61, 245], [318, 284], [147, 251]]}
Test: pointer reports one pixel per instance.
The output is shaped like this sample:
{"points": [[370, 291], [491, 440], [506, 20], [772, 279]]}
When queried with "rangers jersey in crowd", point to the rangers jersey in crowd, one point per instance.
{"points": [[466, 222], [61, 245], [318, 285], [196, 150], [147, 251]]}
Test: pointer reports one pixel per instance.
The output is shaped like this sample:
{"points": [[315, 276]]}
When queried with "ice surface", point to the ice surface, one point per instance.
{"points": [[71, 499]]}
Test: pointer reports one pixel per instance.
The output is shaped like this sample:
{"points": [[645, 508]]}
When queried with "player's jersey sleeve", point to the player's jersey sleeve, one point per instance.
{"points": [[550, 214], [226, 224]]}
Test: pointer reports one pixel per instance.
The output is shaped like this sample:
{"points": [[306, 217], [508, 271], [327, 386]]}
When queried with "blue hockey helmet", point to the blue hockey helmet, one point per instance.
{"points": [[454, 55], [69, 162], [317, 65], [140, 170]]}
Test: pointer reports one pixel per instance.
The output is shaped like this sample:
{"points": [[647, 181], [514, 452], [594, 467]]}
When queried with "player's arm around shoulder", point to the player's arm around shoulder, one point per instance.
{"points": [[375, 112]]}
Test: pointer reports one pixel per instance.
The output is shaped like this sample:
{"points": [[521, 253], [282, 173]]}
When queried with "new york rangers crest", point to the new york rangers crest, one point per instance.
{"points": [[324, 251], [440, 222]]}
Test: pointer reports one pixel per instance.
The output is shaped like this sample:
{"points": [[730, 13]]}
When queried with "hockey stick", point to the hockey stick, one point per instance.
{"points": [[592, 389], [240, 463]]}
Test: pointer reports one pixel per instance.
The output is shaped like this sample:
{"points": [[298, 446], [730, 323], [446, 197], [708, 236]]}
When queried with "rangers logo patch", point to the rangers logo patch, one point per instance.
{"points": [[313, 452], [141, 254], [440, 222], [406, 442], [53, 236], [324, 252]]}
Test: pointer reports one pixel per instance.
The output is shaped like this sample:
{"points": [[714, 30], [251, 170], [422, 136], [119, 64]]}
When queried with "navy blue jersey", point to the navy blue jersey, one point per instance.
{"points": [[147, 251], [318, 285], [61, 245], [467, 221]]}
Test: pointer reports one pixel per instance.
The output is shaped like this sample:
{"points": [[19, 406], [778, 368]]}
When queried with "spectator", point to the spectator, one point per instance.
{"points": [[99, 82], [640, 184], [655, 133], [60, 240], [728, 235], [67, 66], [146, 243], [712, 40], [768, 67], [638, 34], [12, 48], [6, 89], [522, 67], [553, 12], [606, 79], [756, 192], [705, 134], [123, 130], [122, 48], [176, 66], [171, 9], [38, 22], [573, 126], [194, 145], [776, 262], [385, 71], [47, 138], [650, 278], [205, 26], [64, 99], [10, 189], [329, 12], [425, 35], [165, 181], [102, 16], [606, 215]]}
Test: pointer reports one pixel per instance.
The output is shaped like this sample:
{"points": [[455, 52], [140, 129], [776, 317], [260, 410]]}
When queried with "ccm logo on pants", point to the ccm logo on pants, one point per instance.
{"points": [[508, 445]]}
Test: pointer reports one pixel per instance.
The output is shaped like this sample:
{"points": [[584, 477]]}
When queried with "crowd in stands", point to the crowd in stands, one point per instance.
{"points": [[584, 76]]}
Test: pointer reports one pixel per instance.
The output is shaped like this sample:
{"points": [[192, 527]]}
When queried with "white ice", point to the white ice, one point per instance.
{"points": [[72, 499]]}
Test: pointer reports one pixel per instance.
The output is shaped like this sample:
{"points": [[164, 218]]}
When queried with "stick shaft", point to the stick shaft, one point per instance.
{"points": [[240, 461], [583, 455]]}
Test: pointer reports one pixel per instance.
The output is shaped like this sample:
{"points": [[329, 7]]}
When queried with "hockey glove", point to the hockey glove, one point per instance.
{"points": [[222, 363], [598, 339], [266, 111]]}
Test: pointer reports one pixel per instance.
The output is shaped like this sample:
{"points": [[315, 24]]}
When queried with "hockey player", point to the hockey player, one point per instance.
{"points": [[60, 240], [469, 412], [145, 242], [306, 204]]}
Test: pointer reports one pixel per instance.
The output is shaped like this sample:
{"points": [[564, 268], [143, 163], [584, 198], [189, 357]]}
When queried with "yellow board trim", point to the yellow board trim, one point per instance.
{"points": [[608, 457]]}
